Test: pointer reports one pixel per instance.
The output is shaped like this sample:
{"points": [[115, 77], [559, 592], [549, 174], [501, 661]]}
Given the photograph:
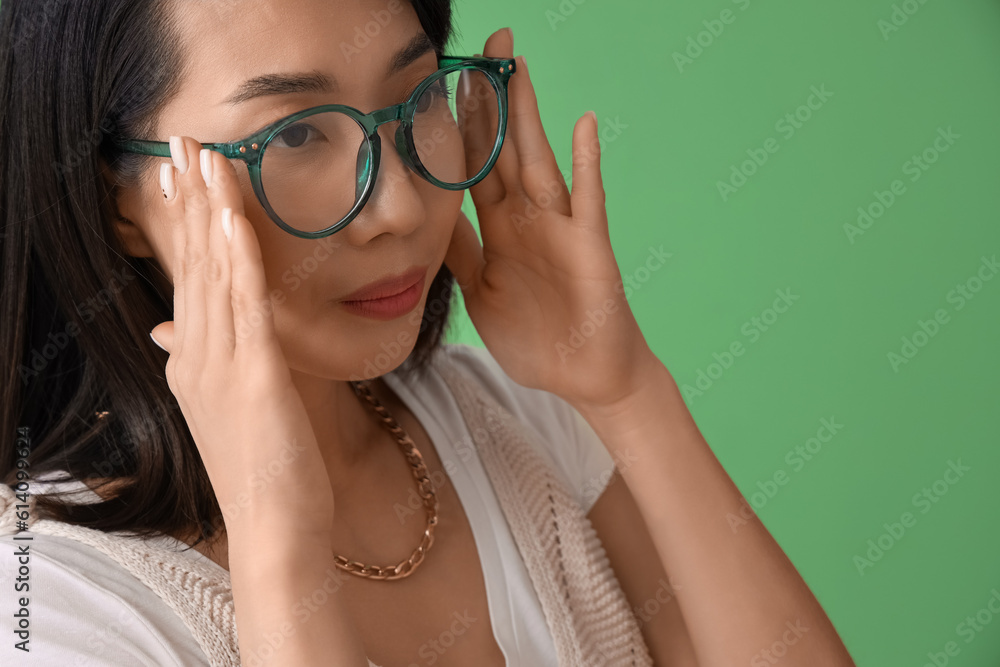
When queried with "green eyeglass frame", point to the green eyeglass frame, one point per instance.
{"points": [[251, 149]]}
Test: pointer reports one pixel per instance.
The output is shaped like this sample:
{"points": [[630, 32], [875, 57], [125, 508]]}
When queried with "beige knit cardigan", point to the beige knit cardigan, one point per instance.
{"points": [[583, 603]]}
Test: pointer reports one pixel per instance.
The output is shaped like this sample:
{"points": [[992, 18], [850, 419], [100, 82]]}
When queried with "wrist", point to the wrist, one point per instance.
{"points": [[274, 534], [652, 384]]}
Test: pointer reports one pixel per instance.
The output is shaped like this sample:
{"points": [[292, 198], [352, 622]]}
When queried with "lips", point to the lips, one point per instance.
{"points": [[387, 287]]}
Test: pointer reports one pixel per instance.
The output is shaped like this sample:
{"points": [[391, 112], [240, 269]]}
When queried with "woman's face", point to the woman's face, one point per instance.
{"points": [[406, 223]]}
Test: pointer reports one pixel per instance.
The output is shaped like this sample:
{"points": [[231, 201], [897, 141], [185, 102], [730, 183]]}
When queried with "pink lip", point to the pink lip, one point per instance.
{"points": [[387, 286], [390, 298]]}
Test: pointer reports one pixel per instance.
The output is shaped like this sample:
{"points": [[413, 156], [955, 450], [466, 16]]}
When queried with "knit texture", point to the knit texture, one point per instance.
{"points": [[584, 606]]}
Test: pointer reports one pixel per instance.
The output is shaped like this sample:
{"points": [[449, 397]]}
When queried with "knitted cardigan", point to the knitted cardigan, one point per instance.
{"points": [[583, 603]]}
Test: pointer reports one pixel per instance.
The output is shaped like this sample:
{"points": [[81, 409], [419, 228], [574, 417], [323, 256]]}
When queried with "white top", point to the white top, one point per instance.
{"points": [[85, 609]]}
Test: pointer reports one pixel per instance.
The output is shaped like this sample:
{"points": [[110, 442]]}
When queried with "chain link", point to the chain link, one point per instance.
{"points": [[425, 489]]}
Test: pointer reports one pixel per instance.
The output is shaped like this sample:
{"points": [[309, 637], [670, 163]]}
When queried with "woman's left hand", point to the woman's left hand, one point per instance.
{"points": [[544, 289]]}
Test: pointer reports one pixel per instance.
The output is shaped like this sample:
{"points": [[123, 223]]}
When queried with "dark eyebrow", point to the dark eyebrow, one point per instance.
{"points": [[418, 46], [281, 84], [317, 82]]}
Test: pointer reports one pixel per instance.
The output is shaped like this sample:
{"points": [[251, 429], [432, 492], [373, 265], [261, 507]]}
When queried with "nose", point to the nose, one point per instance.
{"points": [[395, 206]]}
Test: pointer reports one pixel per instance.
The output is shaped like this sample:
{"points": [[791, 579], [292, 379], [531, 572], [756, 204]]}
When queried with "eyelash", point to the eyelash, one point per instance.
{"points": [[442, 86]]}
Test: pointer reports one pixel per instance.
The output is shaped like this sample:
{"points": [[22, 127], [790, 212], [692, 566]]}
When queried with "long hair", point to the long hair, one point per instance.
{"points": [[78, 371]]}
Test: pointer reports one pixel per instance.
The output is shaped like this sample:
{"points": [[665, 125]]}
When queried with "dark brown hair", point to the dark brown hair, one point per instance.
{"points": [[75, 309]]}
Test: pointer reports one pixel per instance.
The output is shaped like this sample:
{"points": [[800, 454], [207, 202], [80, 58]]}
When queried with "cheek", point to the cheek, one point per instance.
{"points": [[442, 208]]}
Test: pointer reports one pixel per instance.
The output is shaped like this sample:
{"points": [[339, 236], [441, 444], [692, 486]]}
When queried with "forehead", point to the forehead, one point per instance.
{"points": [[226, 42]]}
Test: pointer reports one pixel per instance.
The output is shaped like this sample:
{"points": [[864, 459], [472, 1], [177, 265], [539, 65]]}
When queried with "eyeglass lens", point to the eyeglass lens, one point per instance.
{"points": [[314, 171]]}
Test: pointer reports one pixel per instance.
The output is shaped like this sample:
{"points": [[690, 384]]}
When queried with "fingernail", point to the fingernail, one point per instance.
{"points": [[523, 63], [206, 166], [157, 343], [593, 115], [167, 181], [510, 35], [466, 83], [227, 223], [178, 154]]}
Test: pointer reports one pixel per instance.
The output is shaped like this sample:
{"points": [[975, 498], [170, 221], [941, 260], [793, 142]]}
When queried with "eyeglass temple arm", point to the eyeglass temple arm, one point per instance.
{"points": [[162, 148], [498, 65]]}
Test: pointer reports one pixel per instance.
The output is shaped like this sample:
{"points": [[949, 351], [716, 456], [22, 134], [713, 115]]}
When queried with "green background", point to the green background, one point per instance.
{"points": [[682, 129]]}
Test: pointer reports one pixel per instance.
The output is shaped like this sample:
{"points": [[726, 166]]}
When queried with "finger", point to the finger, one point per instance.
{"points": [[465, 254], [478, 126], [193, 200], [505, 173], [252, 308], [501, 45], [587, 197], [223, 191], [163, 336], [175, 219], [540, 175]]}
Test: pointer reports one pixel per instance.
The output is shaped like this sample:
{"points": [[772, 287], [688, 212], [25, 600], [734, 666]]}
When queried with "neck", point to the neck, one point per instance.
{"points": [[349, 434]]}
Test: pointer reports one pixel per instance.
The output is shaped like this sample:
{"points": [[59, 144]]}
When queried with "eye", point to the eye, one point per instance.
{"points": [[293, 136], [437, 93]]}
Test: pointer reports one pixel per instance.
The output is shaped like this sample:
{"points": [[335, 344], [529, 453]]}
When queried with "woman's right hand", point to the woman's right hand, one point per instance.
{"points": [[233, 385], [226, 367]]}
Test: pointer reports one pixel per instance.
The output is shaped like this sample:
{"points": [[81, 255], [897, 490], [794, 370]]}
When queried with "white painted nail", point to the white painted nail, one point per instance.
{"points": [[466, 83], [157, 343], [206, 166], [227, 223], [178, 154], [167, 181]]}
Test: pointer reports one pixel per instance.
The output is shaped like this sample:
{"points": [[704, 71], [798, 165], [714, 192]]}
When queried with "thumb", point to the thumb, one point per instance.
{"points": [[465, 254], [163, 336]]}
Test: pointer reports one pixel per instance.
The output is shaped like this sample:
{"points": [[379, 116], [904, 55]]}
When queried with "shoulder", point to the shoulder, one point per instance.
{"points": [[74, 605], [567, 439]]}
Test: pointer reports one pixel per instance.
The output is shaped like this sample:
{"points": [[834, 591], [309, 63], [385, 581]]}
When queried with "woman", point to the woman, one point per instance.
{"points": [[278, 293]]}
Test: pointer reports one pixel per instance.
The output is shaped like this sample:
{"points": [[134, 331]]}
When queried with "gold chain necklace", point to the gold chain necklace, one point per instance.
{"points": [[425, 489]]}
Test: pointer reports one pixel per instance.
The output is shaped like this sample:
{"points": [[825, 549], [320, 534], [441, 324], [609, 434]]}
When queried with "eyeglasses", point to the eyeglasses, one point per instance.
{"points": [[321, 164]]}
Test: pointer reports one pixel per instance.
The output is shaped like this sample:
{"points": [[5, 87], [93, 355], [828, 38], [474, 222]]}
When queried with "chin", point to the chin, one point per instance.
{"points": [[385, 354]]}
